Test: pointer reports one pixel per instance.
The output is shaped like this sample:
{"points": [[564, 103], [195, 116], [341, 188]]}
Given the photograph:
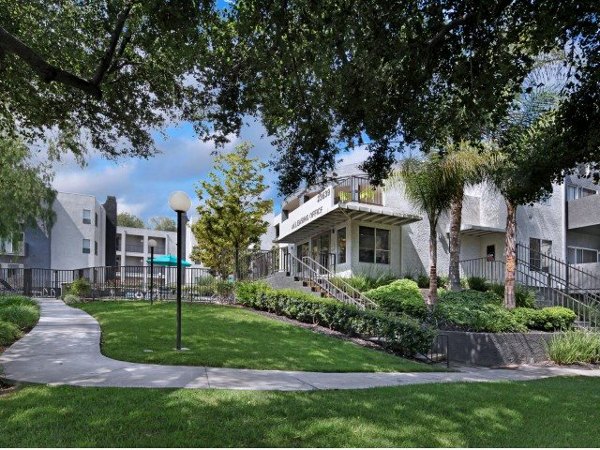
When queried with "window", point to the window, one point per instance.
{"points": [[86, 246], [87, 216], [95, 247], [490, 252], [575, 192], [578, 255], [373, 245], [96, 219], [539, 252], [341, 246]]}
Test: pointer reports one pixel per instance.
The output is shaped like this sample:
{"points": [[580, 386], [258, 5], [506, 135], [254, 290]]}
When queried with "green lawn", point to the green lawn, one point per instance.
{"points": [[547, 413], [225, 336]]}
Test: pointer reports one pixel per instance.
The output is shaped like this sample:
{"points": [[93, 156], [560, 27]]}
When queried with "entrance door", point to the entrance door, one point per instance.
{"points": [[302, 251], [321, 246]]}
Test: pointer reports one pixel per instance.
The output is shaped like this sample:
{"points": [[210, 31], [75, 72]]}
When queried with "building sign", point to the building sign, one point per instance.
{"points": [[316, 207]]}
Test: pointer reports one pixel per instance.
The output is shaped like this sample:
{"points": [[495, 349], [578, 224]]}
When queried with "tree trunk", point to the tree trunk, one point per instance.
{"points": [[237, 263], [510, 256], [455, 222], [432, 297]]}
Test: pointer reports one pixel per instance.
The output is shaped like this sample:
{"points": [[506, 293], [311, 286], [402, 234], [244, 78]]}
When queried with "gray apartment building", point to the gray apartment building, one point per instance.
{"points": [[85, 234]]}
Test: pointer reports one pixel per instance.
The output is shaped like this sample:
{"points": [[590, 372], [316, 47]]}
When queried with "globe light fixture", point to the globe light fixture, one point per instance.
{"points": [[180, 202]]}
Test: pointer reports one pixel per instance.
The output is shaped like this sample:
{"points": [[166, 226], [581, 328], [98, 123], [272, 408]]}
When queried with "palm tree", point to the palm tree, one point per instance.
{"points": [[430, 191], [464, 165]]}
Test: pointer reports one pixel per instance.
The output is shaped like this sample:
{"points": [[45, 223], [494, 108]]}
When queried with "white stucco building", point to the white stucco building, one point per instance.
{"points": [[352, 228]]}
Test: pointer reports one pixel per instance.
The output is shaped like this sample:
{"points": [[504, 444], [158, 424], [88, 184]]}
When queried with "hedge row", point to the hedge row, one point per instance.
{"points": [[483, 311], [400, 296], [400, 333]]}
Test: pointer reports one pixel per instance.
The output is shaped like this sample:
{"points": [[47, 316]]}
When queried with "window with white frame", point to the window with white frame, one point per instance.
{"points": [[574, 192], [580, 255], [373, 245], [87, 216], [86, 246]]}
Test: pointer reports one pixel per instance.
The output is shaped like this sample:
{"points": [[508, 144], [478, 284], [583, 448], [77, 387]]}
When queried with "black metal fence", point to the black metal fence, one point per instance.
{"points": [[128, 282]]}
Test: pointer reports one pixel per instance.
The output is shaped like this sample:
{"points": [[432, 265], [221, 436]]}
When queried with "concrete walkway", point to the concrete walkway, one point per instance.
{"points": [[64, 349]]}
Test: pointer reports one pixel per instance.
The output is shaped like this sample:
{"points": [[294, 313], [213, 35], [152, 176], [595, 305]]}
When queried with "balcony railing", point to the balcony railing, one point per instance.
{"points": [[358, 189], [138, 248]]}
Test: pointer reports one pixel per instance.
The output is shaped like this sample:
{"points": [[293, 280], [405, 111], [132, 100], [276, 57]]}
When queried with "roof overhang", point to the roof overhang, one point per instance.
{"points": [[374, 214], [479, 230]]}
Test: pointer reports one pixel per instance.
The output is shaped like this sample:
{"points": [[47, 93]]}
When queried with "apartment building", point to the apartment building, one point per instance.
{"points": [[85, 234], [80, 237], [352, 228]]}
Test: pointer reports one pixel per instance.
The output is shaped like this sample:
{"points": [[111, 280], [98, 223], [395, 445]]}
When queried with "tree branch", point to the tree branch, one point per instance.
{"points": [[106, 60], [449, 27], [46, 71]]}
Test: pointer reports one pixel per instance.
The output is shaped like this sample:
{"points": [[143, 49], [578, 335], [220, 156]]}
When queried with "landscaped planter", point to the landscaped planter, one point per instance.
{"points": [[496, 349]]}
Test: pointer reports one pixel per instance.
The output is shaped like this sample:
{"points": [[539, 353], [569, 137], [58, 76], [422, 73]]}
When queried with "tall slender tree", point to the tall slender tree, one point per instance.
{"points": [[463, 165], [429, 191], [232, 207]]}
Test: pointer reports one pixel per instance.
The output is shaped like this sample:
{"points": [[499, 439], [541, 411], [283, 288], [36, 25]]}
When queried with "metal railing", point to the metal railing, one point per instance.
{"points": [[127, 282], [549, 284], [357, 189], [310, 271]]}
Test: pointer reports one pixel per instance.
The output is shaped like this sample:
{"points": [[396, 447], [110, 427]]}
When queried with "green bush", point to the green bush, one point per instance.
{"points": [[401, 296], [555, 318], [23, 316], [80, 287], [8, 300], [575, 347], [8, 333], [477, 284], [475, 311], [423, 281], [399, 333], [70, 299], [363, 283], [524, 298]]}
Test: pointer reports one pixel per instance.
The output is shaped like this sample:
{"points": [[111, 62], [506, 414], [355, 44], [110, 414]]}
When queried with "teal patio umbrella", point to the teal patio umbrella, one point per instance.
{"points": [[168, 261]]}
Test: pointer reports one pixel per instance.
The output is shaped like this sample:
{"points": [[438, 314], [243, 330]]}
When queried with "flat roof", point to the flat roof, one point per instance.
{"points": [[375, 214]]}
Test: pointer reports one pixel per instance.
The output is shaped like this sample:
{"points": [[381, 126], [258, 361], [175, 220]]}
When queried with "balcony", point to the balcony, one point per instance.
{"points": [[134, 247], [359, 190]]}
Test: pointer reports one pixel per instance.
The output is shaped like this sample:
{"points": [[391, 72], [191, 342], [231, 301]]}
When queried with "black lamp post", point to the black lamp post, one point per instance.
{"points": [[180, 203], [151, 243]]}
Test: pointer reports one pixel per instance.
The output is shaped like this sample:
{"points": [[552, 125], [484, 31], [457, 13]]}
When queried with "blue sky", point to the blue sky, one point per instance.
{"points": [[142, 187]]}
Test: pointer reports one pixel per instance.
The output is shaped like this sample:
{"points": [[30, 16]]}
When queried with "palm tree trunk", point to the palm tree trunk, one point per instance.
{"points": [[433, 287], [455, 222], [510, 255]]}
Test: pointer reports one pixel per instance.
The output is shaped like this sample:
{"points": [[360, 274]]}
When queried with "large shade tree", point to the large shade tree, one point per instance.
{"points": [[324, 76], [102, 74]]}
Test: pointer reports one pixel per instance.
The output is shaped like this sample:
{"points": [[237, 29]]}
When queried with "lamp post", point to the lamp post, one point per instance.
{"points": [[180, 203], [151, 243]]}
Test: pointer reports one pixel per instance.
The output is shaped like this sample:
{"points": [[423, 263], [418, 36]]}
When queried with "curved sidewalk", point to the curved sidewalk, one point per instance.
{"points": [[64, 349]]}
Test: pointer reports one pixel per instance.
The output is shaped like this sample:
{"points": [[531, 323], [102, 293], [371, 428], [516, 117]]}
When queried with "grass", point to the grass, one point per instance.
{"points": [[18, 314], [558, 412], [224, 336]]}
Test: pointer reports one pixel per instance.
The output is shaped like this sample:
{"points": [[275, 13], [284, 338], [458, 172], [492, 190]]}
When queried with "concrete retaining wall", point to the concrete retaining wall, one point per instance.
{"points": [[496, 349]]}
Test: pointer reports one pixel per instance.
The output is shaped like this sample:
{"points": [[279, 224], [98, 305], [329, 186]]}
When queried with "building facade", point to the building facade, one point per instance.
{"points": [[352, 228], [85, 234]]}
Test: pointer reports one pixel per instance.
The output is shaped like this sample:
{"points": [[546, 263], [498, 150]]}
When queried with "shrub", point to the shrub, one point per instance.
{"points": [[524, 298], [80, 287], [8, 333], [401, 296], [477, 284], [70, 299], [423, 281], [23, 316], [8, 300], [363, 283], [399, 333], [555, 318], [575, 347], [475, 311]]}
